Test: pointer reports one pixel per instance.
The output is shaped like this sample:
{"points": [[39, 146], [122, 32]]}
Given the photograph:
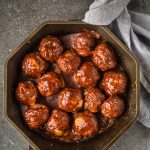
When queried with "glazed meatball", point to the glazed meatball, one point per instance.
{"points": [[70, 99], [87, 75], [50, 48], [84, 42], [34, 65], [36, 115], [85, 124], [114, 82], [69, 62], [58, 124], [112, 107], [26, 93], [104, 57], [93, 99], [49, 84]]}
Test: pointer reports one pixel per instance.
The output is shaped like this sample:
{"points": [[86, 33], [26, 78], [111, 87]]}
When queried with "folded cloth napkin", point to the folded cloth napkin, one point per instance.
{"points": [[134, 30]]}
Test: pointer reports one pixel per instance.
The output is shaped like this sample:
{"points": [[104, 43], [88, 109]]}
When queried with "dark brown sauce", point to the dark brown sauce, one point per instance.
{"points": [[52, 101]]}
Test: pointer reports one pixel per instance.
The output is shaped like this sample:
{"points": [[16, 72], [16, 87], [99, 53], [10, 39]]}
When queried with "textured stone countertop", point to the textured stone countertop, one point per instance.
{"points": [[18, 18]]}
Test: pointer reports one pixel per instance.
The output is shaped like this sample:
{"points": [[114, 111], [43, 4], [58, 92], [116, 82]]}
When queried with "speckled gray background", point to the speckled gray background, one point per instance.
{"points": [[18, 18]]}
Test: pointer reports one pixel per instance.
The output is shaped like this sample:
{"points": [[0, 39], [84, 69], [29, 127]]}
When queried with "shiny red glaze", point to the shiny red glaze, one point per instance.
{"points": [[70, 85], [70, 99], [114, 82], [34, 65], [104, 57], [26, 93], [49, 84], [36, 115], [87, 75], [93, 99], [58, 124], [83, 42], [85, 124], [113, 107], [69, 61], [50, 48]]}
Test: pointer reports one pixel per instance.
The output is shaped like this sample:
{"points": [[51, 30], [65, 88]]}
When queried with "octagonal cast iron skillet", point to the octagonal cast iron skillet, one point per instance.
{"points": [[13, 69]]}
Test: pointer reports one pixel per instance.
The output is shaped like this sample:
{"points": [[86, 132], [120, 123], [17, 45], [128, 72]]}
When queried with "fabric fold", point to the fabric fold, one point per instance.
{"points": [[134, 31]]}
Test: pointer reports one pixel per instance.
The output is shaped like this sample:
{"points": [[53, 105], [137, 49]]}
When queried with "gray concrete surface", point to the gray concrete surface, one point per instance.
{"points": [[20, 17]]}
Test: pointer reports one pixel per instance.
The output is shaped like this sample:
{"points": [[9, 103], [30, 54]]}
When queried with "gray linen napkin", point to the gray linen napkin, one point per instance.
{"points": [[134, 30]]}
